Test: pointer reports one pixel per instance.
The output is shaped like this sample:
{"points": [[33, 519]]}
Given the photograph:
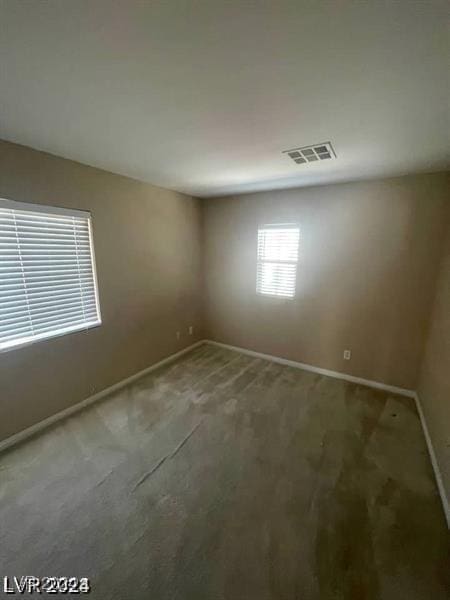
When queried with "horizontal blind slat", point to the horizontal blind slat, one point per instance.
{"points": [[81, 321], [50, 288], [18, 304], [12, 283], [40, 217], [42, 309], [13, 336], [73, 317], [47, 282], [277, 253], [10, 266]]}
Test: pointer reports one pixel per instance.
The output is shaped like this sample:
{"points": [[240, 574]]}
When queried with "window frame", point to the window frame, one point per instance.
{"points": [[68, 212], [260, 261]]}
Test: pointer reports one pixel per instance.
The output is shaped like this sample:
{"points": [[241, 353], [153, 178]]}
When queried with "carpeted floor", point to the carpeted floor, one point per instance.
{"points": [[222, 476]]}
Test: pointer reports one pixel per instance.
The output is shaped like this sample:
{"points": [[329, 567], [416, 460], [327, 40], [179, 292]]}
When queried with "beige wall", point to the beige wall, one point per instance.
{"points": [[148, 250], [368, 261], [434, 383], [368, 264]]}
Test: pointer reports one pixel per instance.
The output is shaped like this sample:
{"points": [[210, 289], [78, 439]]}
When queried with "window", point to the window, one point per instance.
{"points": [[277, 260], [48, 284]]}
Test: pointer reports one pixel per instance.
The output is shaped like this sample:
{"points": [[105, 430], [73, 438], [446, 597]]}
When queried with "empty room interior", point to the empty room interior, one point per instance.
{"points": [[225, 299]]}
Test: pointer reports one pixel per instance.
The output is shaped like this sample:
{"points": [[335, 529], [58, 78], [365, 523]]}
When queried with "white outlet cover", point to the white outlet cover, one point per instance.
{"points": [[347, 354]]}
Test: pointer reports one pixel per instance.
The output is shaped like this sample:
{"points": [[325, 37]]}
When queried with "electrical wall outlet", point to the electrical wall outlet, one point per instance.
{"points": [[178, 335], [347, 354], [191, 330]]}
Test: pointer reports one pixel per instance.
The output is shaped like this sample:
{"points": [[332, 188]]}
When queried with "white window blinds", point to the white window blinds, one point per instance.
{"points": [[277, 260], [48, 284]]}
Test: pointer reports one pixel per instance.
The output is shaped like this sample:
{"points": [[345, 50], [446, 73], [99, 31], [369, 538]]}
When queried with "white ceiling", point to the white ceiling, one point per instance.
{"points": [[203, 96]]}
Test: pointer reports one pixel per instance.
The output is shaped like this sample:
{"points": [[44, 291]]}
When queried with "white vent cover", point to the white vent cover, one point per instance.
{"points": [[310, 154]]}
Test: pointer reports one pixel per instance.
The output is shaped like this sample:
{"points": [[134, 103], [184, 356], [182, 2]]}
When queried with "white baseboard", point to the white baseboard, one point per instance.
{"points": [[437, 472], [38, 427], [67, 412], [367, 382], [319, 370]]}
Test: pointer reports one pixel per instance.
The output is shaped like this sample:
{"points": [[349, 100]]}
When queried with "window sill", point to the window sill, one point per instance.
{"points": [[32, 341]]}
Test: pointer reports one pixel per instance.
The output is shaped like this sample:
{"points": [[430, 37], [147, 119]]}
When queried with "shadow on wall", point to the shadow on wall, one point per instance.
{"points": [[365, 279]]}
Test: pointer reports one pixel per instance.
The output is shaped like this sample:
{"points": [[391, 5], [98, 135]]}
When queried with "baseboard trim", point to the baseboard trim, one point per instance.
{"points": [[374, 384], [434, 462], [336, 374], [71, 410]]}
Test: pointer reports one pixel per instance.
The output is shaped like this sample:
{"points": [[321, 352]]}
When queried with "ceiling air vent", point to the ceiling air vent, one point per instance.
{"points": [[309, 154]]}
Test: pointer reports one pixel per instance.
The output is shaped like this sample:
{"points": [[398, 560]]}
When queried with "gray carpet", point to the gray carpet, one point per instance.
{"points": [[222, 476]]}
